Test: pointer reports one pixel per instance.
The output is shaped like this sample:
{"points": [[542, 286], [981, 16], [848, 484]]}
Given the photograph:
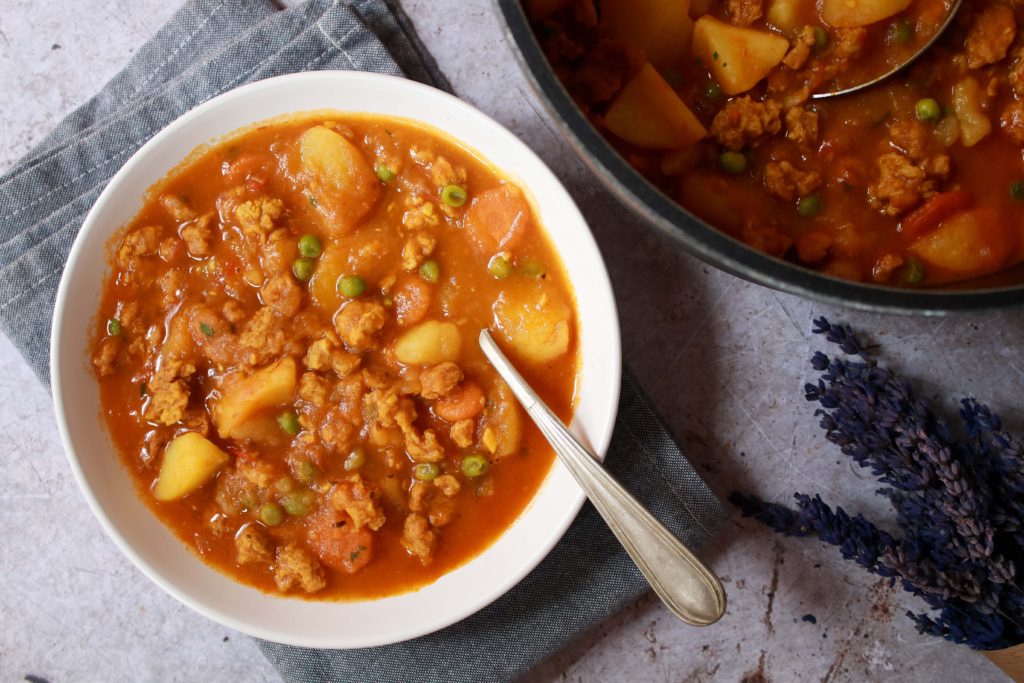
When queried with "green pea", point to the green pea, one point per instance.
{"points": [[809, 206], [499, 267], [351, 286], [298, 502], [901, 31], [1017, 191], [672, 76], [271, 514], [306, 471], [310, 247], [533, 268], [454, 195], [248, 500], [732, 162], [430, 271], [114, 327], [474, 465], [303, 268], [820, 38], [288, 423], [928, 109], [912, 272], [355, 459], [712, 90], [426, 471], [385, 174]]}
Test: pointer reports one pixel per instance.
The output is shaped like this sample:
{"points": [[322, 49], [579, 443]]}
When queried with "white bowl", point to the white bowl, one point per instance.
{"points": [[108, 487]]}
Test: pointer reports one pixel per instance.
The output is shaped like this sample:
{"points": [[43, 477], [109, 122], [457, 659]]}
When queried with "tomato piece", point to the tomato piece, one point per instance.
{"points": [[462, 404], [933, 212], [337, 541], [498, 218]]}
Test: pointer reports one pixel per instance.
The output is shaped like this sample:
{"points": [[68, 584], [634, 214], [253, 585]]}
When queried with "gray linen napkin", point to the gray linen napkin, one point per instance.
{"points": [[211, 46]]}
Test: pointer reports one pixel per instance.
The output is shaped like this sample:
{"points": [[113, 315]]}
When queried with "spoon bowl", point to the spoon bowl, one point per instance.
{"points": [[850, 89]]}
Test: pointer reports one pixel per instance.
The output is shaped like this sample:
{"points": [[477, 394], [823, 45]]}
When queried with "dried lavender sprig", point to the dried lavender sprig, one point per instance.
{"points": [[959, 505], [861, 541], [777, 517], [864, 543], [981, 632], [879, 440], [857, 538], [876, 420], [911, 450], [843, 336], [999, 460]]}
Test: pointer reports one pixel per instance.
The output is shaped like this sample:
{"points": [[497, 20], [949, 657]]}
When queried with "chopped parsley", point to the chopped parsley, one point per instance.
{"points": [[353, 556], [312, 200], [206, 329]]}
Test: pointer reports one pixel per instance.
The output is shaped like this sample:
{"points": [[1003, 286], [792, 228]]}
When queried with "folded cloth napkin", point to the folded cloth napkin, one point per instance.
{"points": [[211, 46]]}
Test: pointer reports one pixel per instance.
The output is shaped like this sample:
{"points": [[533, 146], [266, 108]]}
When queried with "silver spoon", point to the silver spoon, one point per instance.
{"points": [[899, 67], [683, 583]]}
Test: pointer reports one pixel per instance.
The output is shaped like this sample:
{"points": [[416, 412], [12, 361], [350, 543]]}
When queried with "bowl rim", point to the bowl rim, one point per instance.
{"points": [[598, 282], [699, 238]]}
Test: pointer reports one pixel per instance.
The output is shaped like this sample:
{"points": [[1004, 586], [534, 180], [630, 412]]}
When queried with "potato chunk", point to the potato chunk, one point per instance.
{"points": [[243, 399], [190, 461], [738, 57], [341, 185], [971, 242], [429, 343], [502, 422], [853, 13], [661, 28], [788, 15], [649, 113], [969, 105], [534, 322]]}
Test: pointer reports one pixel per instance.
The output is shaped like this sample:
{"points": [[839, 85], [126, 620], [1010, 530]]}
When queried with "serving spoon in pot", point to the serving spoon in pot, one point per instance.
{"points": [[850, 89], [688, 588]]}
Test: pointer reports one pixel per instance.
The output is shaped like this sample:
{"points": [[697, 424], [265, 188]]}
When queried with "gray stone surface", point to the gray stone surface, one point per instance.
{"points": [[724, 360]]}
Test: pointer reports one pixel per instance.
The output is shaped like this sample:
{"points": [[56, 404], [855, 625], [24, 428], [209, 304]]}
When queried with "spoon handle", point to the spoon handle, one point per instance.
{"points": [[688, 588]]}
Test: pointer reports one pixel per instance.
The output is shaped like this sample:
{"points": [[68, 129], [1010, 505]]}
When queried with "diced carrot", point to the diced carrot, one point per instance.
{"points": [[933, 212], [412, 300], [242, 167], [337, 541], [498, 218], [464, 403]]}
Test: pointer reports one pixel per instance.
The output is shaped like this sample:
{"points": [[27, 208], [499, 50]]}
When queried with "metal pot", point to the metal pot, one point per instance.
{"points": [[715, 247]]}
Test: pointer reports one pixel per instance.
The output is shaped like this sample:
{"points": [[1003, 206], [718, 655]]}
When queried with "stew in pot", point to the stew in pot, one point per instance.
{"points": [[917, 181]]}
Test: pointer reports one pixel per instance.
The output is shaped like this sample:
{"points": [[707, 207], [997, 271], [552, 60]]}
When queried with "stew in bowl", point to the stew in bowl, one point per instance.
{"points": [[286, 359], [283, 358]]}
